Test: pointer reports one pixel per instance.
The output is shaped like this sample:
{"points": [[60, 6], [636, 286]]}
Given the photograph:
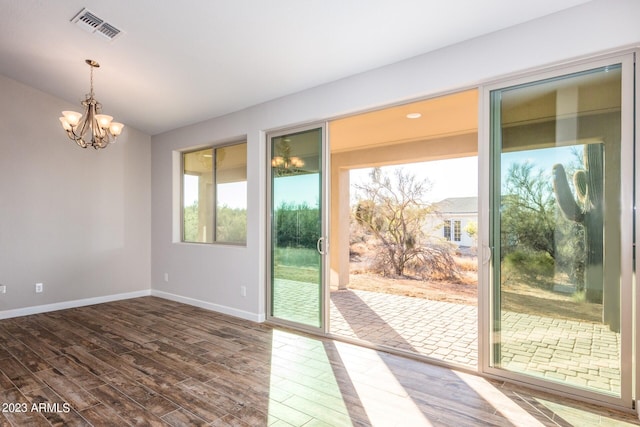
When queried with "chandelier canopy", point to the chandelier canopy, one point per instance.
{"points": [[101, 127]]}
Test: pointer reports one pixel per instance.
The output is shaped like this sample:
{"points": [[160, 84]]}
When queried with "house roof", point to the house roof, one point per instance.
{"points": [[457, 205]]}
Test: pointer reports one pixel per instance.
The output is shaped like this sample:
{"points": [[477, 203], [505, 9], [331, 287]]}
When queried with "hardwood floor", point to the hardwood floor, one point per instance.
{"points": [[149, 361]]}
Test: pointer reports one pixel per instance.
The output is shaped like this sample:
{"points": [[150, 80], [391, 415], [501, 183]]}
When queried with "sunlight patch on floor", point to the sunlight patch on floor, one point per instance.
{"points": [[503, 405], [577, 416], [379, 391], [303, 387]]}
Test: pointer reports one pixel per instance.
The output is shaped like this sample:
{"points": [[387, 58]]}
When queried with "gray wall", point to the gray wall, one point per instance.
{"points": [[97, 224], [76, 220], [211, 275]]}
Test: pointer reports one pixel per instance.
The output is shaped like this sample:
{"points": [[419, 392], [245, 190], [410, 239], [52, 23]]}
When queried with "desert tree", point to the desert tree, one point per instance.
{"points": [[536, 238], [472, 231], [528, 210], [394, 210]]}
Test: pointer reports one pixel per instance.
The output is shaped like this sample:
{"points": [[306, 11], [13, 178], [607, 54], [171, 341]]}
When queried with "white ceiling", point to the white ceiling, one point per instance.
{"points": [[181, 62]]}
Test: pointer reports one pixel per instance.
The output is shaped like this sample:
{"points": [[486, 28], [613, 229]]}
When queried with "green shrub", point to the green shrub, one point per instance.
{"points": [[537, 268]]}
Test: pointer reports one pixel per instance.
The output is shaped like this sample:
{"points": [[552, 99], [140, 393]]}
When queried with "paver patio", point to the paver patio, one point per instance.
{"points": [[582, 354], [430, 328], [579, 353]]}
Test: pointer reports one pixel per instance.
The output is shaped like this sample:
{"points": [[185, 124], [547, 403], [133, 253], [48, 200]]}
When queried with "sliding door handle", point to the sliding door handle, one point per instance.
{"points": [[319, 246], [487, 253]]}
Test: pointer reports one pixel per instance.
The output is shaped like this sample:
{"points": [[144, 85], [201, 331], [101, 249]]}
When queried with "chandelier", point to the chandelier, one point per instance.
{"points": [[101, 128], [285, 163]]}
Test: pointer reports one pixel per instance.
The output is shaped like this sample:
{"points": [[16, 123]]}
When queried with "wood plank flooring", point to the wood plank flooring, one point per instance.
{"points": [[148, 362]]}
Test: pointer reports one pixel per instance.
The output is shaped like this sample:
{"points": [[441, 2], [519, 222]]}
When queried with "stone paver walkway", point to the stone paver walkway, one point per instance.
{"points": [[581, 354], [436, 329], [297, 301]]}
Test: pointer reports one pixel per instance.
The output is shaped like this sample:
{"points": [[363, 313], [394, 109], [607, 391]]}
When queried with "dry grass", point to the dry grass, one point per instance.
{"points": [[436, 290], [463, 291], [467, 263]]}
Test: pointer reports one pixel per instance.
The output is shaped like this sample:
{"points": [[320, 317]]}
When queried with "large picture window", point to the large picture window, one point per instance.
{"points": [[214, 195]]}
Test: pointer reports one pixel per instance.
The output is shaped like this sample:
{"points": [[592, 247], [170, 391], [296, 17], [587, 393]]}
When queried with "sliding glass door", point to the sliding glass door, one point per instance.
{"points": [[297, 229], [561, 203]]}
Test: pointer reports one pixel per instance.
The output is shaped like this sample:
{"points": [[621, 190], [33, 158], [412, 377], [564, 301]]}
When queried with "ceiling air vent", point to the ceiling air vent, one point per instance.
{"points": [[88, 21], [108, 30]]}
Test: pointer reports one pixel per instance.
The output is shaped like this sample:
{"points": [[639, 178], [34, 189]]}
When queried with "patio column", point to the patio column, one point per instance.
{"points": [[339, 237]]}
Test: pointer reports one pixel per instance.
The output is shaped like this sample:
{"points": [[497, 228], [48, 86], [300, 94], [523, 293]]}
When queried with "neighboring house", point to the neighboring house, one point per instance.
{"points": [[450, 219]]}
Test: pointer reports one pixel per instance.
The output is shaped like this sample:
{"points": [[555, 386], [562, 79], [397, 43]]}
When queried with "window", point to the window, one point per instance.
{"points": [[456, 231], [214, 195], [447, 229]]}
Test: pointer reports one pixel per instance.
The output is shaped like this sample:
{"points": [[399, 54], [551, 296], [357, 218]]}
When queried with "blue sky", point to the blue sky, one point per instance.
{"points": [[449, 178], [297, 190], [542, 159], [459, 177]]}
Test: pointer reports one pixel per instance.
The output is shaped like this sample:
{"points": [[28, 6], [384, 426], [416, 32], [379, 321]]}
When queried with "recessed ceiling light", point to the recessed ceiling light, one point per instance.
{"points": [[414, 115]]}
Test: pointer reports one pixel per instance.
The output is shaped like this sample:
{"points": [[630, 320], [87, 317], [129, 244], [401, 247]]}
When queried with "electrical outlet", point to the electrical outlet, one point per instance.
{"points": [[3, 289], [39, 288], [166, 277], [243, 291]]}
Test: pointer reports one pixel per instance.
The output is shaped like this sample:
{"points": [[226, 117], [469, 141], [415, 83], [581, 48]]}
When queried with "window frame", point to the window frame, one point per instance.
{"points": [[446, 230], [457, 230]]}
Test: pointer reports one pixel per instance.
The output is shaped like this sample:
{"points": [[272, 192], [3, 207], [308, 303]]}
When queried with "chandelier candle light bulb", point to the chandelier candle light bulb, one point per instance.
{"points": [[104, 130]]}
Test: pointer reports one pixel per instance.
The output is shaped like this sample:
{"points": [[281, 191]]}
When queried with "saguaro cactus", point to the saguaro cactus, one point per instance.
{"points": [[586, 208]]}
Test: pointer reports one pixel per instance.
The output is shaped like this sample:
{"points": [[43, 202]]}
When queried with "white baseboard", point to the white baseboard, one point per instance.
{"points": [[26, 311], [18, 312], [210, 306]]}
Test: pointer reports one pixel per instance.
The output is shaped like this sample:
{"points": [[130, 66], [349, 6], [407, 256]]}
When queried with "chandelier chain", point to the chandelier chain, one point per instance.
{"points": [[91, 81]]}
